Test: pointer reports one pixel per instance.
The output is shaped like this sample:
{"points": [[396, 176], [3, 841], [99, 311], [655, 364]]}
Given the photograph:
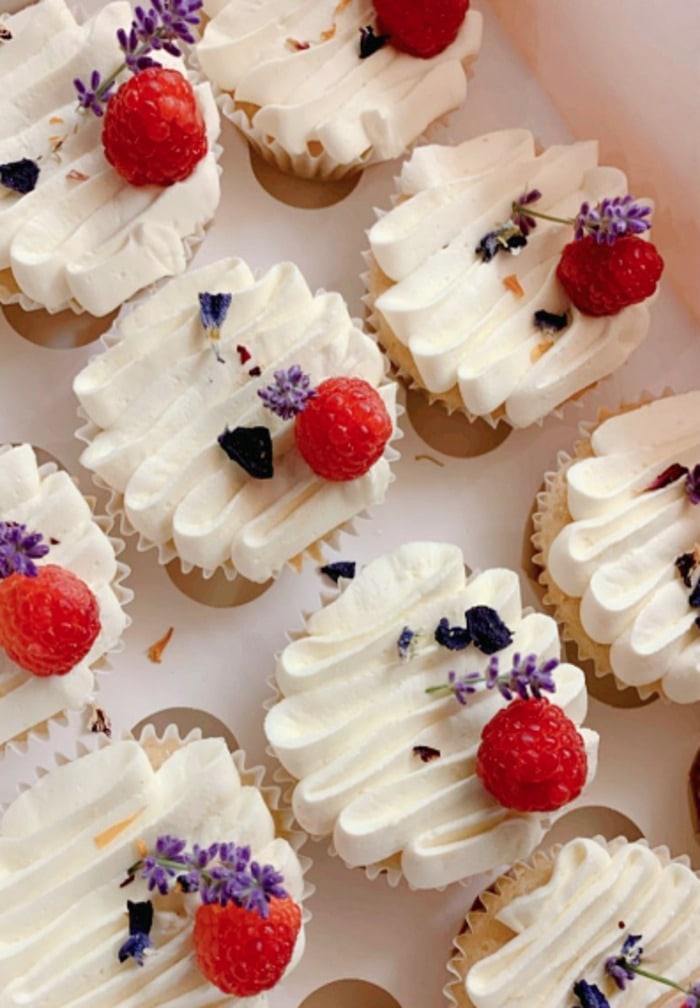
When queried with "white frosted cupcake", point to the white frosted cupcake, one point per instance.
{"points": [[617, 533], [500, 313], [315, 92], [58, 566], [388, 757], [575, 924], [73, 232], [92, 910], [199, 464]]}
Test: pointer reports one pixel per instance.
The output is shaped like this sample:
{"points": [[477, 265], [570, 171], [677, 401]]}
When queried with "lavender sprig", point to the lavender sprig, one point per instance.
{"points": [[612, 218], [289, 393], [221, 873], [19, 548], [525, 677], [162, 26], [625, 966]]}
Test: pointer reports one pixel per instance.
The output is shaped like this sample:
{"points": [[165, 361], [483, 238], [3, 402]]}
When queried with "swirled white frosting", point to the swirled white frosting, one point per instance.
{"points": [[567, 928], [465, 330], [62, 911], [357, 110], [46, 500], [353, 711], [84, 238], [159, 399], [618, 552]]}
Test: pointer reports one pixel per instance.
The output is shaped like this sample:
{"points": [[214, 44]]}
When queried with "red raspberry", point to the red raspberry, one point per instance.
{"points": [[342, 430], [48, 623], [604, 279], [154, 131], [241, 952], [421, 27], [532, 757]]}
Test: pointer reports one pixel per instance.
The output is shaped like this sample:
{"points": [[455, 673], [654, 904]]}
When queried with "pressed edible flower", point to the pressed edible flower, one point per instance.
{"points": [[371, 43], [550, 321], [165, 24], [405, 642], [692, 484], [339, 569], [589, 996], [484, 629], [426, 753], [525, 678], [213, 309], [250, 448], [523, 220], [612, 218], [140, 924], [668, 476], [19, 548], [20, 176], [289, 393]]}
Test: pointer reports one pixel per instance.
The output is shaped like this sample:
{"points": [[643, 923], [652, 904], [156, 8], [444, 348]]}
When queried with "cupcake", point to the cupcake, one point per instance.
{"points": [[61, 594], [586, 922], [90, 212], [392, 722], [617, 532], [321, 90], [477, 291], [127, 871], [193, 423]]}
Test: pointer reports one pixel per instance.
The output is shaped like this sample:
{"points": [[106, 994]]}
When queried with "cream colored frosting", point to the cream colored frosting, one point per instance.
{"points": [[325, 97], [158, 399], [617, 554], [352, 712], [46, 500], [89, 242], [566, 929], [62, 911], [466, 330]]}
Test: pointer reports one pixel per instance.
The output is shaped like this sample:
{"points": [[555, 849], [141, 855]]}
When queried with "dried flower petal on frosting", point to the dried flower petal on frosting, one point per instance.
{"points": [[139, 940], [371, 43], [339, 569], [426, 753], [550, 321], [20, 176], [523, 220], [289, 393], [406, 642], [453, 637], [19, 548], [668, 476], [589, 996], [251, 448], [692, 484], [213, 309], [487, 630]]}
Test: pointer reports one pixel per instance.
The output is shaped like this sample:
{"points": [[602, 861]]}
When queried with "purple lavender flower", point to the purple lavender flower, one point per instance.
{"points": [[19, 176], [611, 219], [527, 677], [404, 642], [289, 393], [213, 309], [692, 484], [19, 548], [523, 220], [96, 94], [693, 998], [463, 686], [621, 967], [140, 923], [589, 996]]}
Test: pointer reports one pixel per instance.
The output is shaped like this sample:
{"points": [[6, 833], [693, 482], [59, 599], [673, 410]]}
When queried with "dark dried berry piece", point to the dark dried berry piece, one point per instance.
{"points": [[251, 448]]}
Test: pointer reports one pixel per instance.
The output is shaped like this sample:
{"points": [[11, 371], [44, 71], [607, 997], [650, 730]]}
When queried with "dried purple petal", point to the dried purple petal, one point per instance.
{"points": [[251, 448], [694, 597], [405, 642], [371, 43], [289, 393], [19, 176], [692, 484], [213, 309], [668, 476], [339, 569], [140, 924], [550, 321], [487, 630], [505, 238], [589, 996], [621, 967], [426, 753], [243, 352], [455, 638], [685, 565], [5, 33], [525, 222]]}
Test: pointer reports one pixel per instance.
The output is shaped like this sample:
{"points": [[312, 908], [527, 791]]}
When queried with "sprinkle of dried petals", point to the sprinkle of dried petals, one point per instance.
{"points": [[19, 176], [339, 569], [670, 475]]}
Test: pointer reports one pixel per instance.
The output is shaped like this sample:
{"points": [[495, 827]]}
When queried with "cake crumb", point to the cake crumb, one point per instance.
{"points": [[155, 651]]}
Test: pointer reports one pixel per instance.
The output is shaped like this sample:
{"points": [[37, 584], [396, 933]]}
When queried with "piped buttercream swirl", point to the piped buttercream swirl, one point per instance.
{"points": [[470, 337], [158, 399], [352, 712], [47, 500], [65, 847], [617, 553], [84, 238], [298, 83]]}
